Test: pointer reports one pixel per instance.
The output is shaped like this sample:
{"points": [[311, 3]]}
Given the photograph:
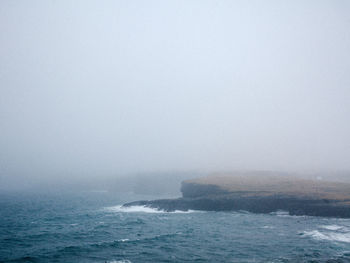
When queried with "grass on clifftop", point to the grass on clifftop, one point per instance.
{"points": [[271, 184]]}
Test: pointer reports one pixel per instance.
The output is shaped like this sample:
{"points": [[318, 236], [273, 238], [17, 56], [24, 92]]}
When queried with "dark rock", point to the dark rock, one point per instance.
{"points": [[210, 197]]}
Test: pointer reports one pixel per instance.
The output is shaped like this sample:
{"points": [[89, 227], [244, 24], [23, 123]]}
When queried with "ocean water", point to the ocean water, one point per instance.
{"points": [[93, 227]]}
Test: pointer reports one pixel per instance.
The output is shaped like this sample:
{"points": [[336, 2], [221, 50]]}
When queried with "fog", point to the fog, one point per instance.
{"points": [[105, 89]]}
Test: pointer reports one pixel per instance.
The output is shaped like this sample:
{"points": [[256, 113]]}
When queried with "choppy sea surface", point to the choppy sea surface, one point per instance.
{"points": [[93, 227]]}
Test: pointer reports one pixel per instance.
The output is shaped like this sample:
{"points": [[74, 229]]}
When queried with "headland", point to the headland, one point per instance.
{"points": [[259, 193]]}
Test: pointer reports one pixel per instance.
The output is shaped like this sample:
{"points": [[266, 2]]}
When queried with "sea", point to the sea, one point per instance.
{"points": [[92, 226]]}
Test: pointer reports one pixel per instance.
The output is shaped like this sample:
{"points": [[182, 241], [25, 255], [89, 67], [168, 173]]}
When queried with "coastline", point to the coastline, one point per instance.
{"points": [[301, 197]]}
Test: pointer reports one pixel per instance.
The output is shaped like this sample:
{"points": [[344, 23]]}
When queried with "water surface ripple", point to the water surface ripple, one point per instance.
{"points": [[93, 227]]}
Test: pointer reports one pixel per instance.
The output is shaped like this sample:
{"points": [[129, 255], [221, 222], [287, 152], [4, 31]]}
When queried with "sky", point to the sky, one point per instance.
{"points": [[92, 88]]}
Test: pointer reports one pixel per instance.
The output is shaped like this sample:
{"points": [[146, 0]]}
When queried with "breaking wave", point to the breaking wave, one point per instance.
{"points": [[318, 235], [332, 227], [142, 209], [335, 233]]}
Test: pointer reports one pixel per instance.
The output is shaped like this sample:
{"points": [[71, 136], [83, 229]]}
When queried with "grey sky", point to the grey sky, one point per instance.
{"points": [[94, 87]]}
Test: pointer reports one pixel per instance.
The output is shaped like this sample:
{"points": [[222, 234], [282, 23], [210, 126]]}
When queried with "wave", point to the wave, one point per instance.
{"points": [[142, 209], [330, 235], [116, 243], [280, 213], [332, 227], [88, 247]]}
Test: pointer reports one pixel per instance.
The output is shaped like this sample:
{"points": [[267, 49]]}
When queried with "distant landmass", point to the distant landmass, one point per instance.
{"points": [[259, 192]]}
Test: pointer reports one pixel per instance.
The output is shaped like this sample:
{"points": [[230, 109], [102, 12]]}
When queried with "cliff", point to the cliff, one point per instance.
{"points": [[259, 194], [266, 185]]}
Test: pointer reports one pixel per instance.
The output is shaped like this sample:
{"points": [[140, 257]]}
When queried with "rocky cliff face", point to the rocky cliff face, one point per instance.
{"points": [[298, 197]]}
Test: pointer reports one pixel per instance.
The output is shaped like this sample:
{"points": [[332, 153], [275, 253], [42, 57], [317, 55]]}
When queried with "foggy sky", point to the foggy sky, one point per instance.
{"points": [[107, 87]]}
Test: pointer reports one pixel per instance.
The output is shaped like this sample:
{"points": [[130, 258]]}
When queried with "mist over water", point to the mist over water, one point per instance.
{"points": [[95, 89]]}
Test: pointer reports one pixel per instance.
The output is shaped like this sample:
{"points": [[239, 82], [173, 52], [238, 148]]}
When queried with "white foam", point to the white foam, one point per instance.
{"points": [[280, 213], [332, 227], [142, 209], [330, 236], [120, 261], [268, 227]]}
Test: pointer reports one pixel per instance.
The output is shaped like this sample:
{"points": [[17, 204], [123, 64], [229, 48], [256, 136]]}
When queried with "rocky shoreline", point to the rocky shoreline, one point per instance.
{"points": [[216, 197]]}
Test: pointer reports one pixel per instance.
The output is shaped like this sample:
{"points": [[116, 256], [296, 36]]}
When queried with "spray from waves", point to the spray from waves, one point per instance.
{"points": [[142, 209]]}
